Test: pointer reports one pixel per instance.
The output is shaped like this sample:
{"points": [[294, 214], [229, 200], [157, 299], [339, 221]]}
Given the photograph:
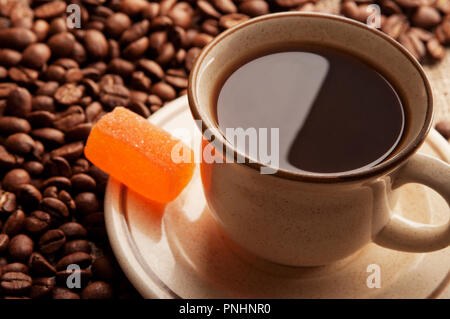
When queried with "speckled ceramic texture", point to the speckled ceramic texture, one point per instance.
{"points": [[312, 219], [179, 251]]}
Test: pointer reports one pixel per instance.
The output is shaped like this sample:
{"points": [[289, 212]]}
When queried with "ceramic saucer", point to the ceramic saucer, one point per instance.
{"points": [[178, 251]]}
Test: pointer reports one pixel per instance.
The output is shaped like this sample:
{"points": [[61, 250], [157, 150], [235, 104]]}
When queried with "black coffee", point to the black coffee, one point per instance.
{"points": [[335, 112]]}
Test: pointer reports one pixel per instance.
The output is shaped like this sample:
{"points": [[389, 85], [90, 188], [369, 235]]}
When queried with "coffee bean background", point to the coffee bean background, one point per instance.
{"points": [[56, 82]]}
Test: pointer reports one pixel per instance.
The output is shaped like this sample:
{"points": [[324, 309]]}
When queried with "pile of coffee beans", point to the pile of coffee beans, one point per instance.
{"points": [[61, 71], [422, 26]]}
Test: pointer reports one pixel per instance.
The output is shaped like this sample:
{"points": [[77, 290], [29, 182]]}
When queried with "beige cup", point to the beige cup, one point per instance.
{"points": [[308, 219]]}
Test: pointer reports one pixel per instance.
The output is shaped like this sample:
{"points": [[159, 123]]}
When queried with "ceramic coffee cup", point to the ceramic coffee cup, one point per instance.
{"points": [[308, 219]]}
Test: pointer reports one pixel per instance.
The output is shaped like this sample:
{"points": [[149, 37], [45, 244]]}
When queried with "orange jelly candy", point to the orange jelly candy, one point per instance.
{"points": [[141, 155]]}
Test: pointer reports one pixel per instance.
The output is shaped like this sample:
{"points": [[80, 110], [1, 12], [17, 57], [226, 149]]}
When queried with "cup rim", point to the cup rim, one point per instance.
{"points": [[377, 170]]}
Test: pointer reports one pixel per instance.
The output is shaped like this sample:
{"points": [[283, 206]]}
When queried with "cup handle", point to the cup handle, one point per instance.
{"points": [[405, 235]]}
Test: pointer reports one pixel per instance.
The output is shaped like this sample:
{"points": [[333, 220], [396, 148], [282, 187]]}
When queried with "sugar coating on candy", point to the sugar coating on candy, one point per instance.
{"points": [[140, 155]]}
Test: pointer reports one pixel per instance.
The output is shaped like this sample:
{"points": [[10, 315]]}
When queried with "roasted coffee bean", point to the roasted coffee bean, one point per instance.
{"points": [[23, 76], [10, 57], [230, 20], [97, 290], [69, 94], [8, 202], [15, 283], [413, 44], [55, 73], [36, 55], [78, 245], [60, 182], [202, 39], [50, 10], [49, 136], [62, 44], [70, 151], [42, 287], [181, 14], [139, 108], [38, 222], [74, 75], [96, 44], [79, 53], [93, 112], [4, 241], [164, 91], [121, 66], [83, 260], [113, 49], [105, 269], [152, 68], [19, 143], [66, 198], [83, 183], [16, 267], [14, 223], [70, 118], [225, 6], [211, 26], [395, 25], [17, 38], [443, 127], [51, 191], [80, 166], [86, 203], [73, 230], [426, 17], [20, 247], [79, 132], [56, 208], [157, 39], [57, 166], [40, 266], [435, 49], [19, 102], [136, 31], [43, 103], [176, 78], [11, 125], [41, 29], [254, 8], [116, 24], [132, 7], [29, 196], [52, 241], [136, 49], [140, 81], [14, 178], [8, 160], [33, 168], [64, 293]]}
